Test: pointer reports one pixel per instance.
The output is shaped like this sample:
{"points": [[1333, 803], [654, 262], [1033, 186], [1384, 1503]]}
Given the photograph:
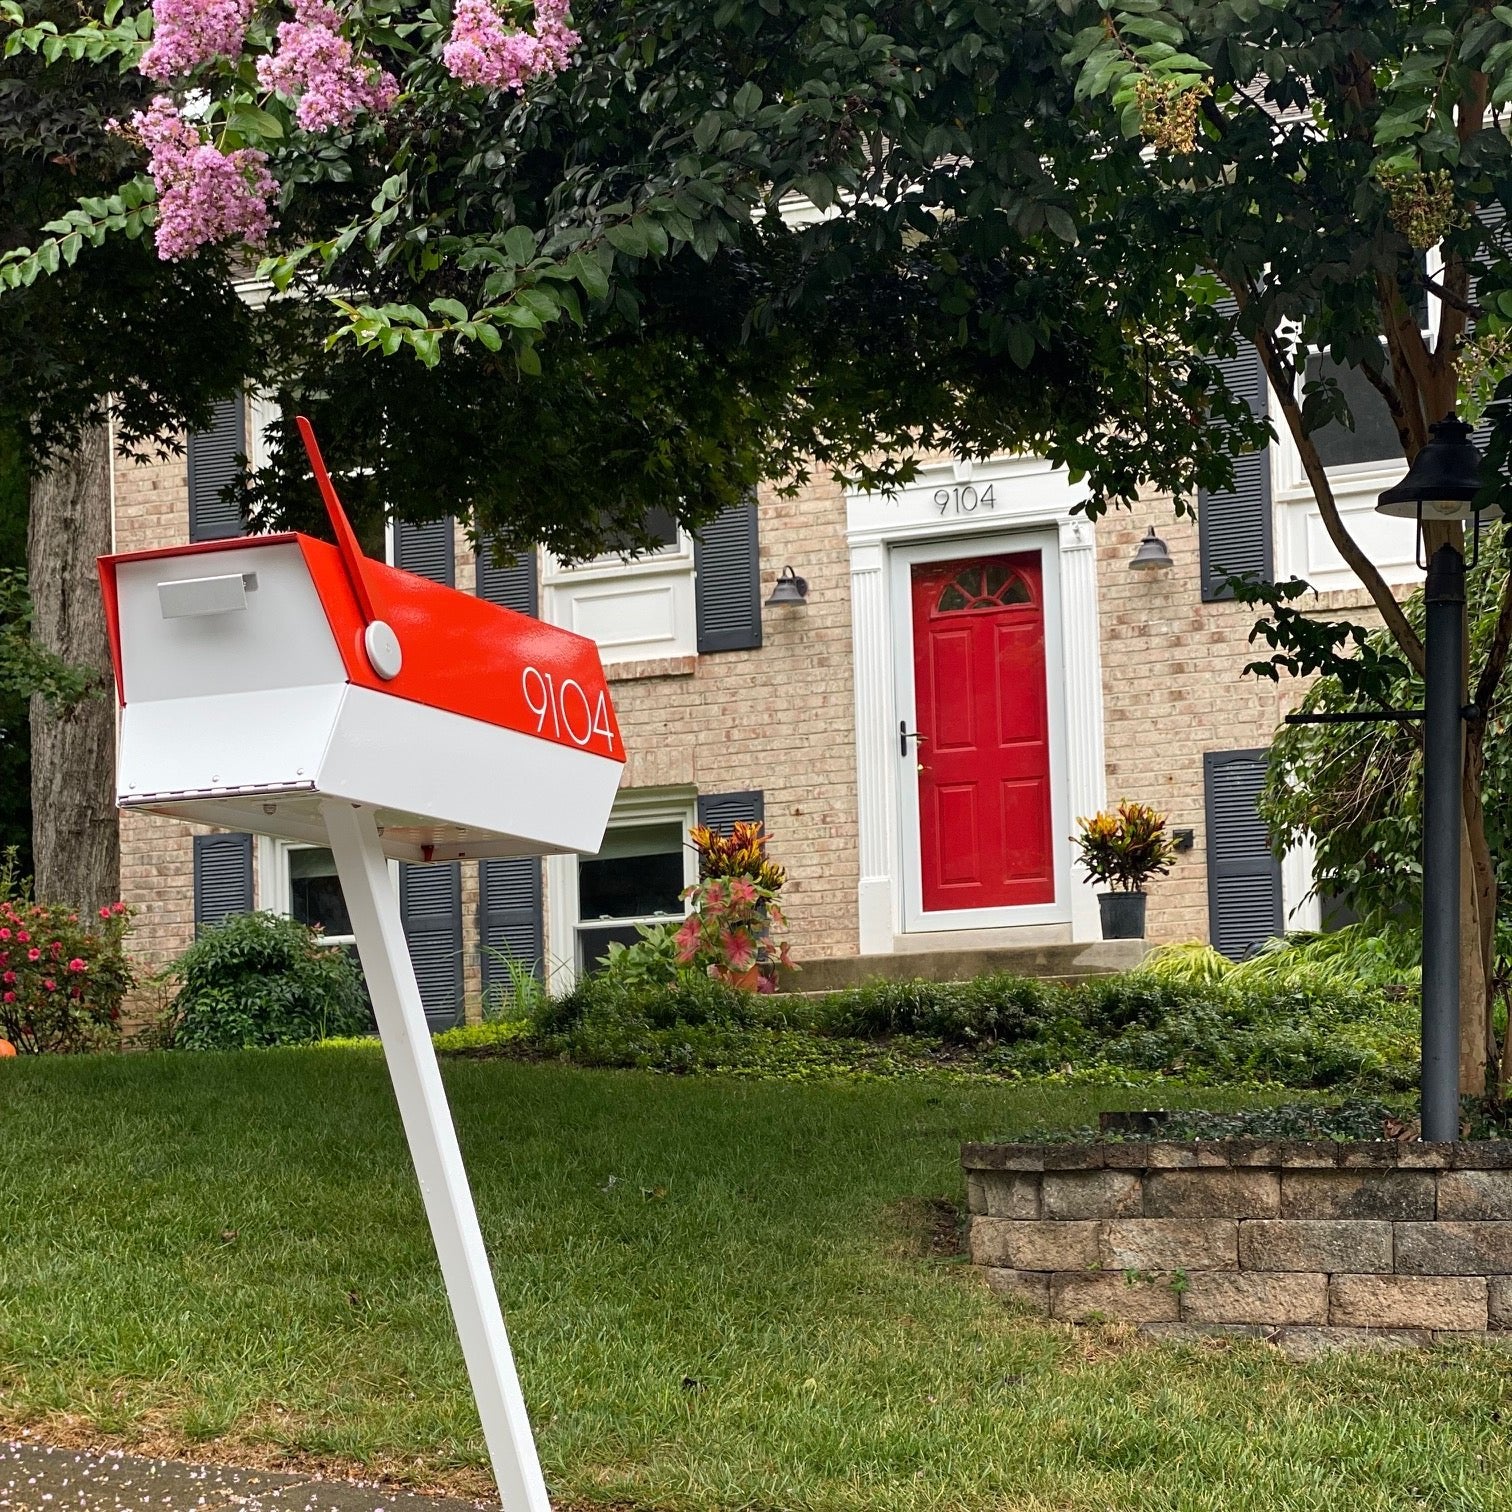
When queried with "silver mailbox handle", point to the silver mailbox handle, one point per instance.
{"points": [[209, 595]]}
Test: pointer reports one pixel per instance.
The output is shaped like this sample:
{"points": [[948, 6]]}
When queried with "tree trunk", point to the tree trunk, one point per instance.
{"points": [[1478, 900], [75, 837]]}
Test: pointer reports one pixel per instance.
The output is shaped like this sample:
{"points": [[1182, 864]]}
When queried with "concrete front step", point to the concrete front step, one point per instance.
{"points": [[1065, 963]]}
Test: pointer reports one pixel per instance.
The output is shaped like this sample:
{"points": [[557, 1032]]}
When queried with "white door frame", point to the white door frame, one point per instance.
{"points": [[910, 867], [1030, 500]]}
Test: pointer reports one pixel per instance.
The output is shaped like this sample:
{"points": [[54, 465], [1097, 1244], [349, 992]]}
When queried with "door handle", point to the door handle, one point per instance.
{"points": [[905, 735]]}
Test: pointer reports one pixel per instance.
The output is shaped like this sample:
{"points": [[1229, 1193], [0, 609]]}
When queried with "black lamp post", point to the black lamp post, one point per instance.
{"points": [[1441, 485]]}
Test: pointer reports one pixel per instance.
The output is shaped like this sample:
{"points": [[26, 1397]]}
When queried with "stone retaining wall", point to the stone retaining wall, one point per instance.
{"points": [[1250, 1236]]}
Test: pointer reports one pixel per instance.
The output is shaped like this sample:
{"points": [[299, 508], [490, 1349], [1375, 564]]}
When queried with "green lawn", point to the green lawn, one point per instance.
{"points": [[720, 1294]]}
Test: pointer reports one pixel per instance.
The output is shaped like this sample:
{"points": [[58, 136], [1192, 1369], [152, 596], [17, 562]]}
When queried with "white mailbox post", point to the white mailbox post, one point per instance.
{"points": [[289, 687]]}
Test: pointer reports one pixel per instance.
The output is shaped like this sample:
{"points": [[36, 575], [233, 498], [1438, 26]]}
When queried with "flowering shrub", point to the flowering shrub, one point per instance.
{"points": [[217, 188], [186, 33], [485, 50], [318, 66], [729, 935], [61, 979], [204, 195], [1124, 849]]}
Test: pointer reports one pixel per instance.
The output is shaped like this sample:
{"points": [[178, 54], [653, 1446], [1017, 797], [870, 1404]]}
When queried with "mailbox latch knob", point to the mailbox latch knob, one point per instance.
{"points": [[383, 652]]}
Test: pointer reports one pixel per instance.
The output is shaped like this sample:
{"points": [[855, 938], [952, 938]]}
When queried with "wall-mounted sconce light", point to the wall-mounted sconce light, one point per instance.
{"points": [[790, 589], [1152, 554]]}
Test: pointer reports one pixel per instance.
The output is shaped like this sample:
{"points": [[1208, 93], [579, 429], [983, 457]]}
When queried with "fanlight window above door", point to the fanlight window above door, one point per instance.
{"points": [[988, 585]]}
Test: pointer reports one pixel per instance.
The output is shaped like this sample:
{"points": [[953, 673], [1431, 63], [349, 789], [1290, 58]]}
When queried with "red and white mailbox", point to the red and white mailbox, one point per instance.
{"points": [[286, 686], [262, 675]]}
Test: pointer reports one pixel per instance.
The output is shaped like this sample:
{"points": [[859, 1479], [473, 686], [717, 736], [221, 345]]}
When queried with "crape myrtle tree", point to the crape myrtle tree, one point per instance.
{"points": [[575, 225], [580, 239], [124, 334], [1319, 153], [1036, 223]]}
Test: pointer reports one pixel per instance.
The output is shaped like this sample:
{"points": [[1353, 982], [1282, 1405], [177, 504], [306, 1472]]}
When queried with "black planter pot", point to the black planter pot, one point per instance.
{"points": [[1123, 915]]}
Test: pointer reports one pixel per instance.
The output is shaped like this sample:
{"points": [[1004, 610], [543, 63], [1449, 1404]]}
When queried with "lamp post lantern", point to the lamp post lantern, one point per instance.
{"points": [[1441, 486]]}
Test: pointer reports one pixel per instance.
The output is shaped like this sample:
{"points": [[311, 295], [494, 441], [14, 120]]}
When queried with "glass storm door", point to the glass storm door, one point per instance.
{"points": [[985, 836]]}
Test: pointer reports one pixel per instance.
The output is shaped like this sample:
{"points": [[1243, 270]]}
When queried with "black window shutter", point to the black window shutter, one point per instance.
{"points": [[430, 904], [727, 565], [429, 551], [1244, 876], [510, 925], [1234, 529], [722, 811], [512, 586], [212, 466], [222, 877], [509, 918]]}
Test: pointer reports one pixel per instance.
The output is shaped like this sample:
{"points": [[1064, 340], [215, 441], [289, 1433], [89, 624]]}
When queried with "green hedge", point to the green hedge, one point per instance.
{"points": [[1140, 1026], [258, 980]]}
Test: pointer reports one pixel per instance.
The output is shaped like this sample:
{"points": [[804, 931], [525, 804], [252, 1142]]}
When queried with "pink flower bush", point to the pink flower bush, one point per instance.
{"points": [[204, 195], [318, 67], [484, 49], [37, 1014], [186, 33]]}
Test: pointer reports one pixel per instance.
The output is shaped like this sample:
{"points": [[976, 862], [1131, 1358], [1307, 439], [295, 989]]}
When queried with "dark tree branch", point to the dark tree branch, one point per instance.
{"points": [[1388, 392], [1465, 306]]}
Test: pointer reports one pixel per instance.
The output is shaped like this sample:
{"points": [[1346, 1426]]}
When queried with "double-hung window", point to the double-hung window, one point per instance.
{"points": [[636, 878]]}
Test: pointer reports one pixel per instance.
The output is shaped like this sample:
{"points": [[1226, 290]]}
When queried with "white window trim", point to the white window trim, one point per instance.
{"points": [[639, 807], [275, 892], [1296, 518], [614, 565], [635, 608]]}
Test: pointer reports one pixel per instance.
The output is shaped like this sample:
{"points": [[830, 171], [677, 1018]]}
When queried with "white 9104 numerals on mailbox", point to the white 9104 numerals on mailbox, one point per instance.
{"points": [[566, 705]]}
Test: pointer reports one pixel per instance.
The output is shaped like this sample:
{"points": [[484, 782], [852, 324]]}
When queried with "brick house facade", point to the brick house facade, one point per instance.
{"points": [[730, 707]]}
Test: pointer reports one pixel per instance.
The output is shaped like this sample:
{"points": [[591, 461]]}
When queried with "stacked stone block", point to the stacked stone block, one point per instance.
{"points": [[1250, 1236]]}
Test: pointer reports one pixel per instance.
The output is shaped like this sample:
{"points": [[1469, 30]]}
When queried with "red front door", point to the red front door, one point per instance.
{"points": [[984, 780]]}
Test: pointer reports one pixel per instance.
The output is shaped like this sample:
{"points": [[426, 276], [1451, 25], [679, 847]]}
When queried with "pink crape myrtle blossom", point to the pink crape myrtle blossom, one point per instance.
{"points": [[485, 50], [186, 33], [316, 65], [204, 195]]}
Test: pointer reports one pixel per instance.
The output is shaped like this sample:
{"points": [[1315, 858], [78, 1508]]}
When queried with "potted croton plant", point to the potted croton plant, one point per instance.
{"points": [[1121, 851]]}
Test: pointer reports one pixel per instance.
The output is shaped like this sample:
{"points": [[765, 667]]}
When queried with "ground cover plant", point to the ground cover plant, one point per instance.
{"points": [[724, 1295], [1322, 1013]]}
